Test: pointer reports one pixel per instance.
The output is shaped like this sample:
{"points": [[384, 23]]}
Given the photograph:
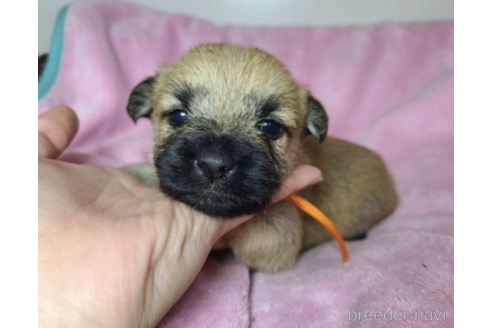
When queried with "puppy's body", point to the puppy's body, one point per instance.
{"points": [[356, 193], [230, 123]]}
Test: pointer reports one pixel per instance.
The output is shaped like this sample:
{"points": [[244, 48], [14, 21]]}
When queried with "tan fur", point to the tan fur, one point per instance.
{"points": [[270, 241], [233, 73], [357, 190]]}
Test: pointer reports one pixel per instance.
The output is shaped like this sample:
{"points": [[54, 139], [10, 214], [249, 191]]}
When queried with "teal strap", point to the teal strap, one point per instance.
{"points": [[52, 67]]}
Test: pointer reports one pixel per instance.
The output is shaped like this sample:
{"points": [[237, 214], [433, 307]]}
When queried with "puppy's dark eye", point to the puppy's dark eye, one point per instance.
{"points": [[178, 117], [271, 129]]}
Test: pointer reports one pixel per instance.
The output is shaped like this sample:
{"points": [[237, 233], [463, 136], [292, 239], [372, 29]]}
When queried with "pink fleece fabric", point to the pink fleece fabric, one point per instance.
{"points": [[388, 87]]}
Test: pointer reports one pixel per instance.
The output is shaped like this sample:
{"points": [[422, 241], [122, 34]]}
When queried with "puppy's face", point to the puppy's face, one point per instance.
{"points": [[228, 123]]}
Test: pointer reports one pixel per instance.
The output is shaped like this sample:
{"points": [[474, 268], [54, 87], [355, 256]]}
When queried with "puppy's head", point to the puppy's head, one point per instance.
{"points": [[228, 123]]}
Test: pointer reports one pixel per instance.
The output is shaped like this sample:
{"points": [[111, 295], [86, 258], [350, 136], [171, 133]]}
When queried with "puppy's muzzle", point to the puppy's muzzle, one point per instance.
{"points": [[222, 175]]}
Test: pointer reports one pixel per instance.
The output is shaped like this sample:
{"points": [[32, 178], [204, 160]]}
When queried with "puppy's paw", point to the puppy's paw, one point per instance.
{"points": [[267, 257], [269, 242]]}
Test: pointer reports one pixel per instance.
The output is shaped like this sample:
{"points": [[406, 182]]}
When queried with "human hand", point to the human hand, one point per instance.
{"points": [[112, 251]]}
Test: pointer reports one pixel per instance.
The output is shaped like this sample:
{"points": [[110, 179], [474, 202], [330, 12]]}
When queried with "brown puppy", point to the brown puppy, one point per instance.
{"points": [[230, 123]]}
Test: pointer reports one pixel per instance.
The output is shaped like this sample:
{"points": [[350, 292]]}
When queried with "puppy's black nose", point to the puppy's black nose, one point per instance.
{"points": [[214, 164]]}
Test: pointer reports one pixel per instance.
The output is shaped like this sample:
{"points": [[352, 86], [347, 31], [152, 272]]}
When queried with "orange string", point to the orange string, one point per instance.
{"points": [[313, 211]]}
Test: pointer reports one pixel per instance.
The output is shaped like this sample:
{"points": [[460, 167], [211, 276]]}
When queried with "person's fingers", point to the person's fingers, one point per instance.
{"points": [[300, 178], [56, 129]]}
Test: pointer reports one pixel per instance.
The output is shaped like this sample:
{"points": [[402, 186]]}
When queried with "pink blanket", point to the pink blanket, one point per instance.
{"points": [[388, 87]]}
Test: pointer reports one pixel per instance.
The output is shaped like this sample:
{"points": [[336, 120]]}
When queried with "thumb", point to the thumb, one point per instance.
{"points": [[301, 177], [56, 129]]}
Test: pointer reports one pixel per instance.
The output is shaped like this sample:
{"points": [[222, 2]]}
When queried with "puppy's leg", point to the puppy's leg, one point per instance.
{"points": [[145, 172], [270, 241]]}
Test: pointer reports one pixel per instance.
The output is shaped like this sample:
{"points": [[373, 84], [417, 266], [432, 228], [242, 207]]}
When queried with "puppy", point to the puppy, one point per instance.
{"points": [[230, 122]]}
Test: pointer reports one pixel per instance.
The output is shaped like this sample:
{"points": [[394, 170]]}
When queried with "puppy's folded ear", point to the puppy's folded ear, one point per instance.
{"points": [[316, 119], [141, 99]]}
